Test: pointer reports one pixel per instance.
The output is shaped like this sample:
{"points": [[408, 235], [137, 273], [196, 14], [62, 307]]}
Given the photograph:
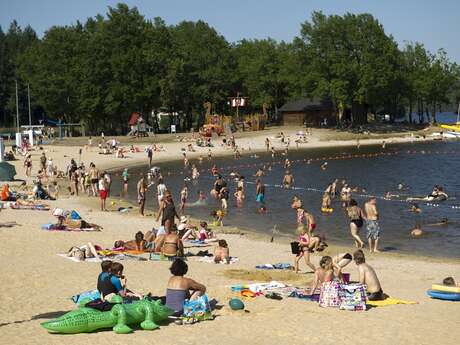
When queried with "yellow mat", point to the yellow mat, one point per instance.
{"points": [[389, 301]]}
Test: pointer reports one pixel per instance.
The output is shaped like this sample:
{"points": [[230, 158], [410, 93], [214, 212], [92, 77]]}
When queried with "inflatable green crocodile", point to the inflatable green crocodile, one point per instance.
{"points": [[84, 319]]}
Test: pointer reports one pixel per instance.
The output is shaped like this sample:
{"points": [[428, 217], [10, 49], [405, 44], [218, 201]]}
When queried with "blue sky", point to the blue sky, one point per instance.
{"points": [[434, 23]]}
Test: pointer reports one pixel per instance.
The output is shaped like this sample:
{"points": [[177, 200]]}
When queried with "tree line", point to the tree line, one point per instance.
{"points": [[100, 71]]}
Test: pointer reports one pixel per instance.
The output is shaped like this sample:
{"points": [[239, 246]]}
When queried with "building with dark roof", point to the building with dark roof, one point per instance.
{"points": [[311, 112]]}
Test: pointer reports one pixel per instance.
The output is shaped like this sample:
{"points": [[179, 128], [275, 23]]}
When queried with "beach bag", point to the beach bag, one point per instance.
{"points": [[330, 294], [197, 309], [353, 297], [74, 215], [90, 295], [295, 249]]}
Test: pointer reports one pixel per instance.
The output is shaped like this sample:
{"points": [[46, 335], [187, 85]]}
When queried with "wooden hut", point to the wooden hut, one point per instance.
{"points": [[312, 112]]}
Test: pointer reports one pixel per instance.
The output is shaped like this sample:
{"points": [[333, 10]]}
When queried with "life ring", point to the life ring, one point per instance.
{"points": [[446, 296], [327, 210]]}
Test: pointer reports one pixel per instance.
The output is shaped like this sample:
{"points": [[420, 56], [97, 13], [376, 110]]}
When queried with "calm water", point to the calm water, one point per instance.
{"points": [[419, 169]]}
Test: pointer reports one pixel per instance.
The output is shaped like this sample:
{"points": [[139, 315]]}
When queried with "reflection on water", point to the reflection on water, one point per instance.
{"points": [[419, 170]]}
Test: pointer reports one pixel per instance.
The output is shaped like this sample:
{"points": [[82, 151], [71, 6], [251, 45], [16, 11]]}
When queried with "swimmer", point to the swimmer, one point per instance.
{"points": [[323, 166], [417, 231], [195, 173], [287, 163], [273, 152], [259, 173], [415, 208]]}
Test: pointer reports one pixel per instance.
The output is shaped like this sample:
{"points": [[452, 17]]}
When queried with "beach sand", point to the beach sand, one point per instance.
{"points": [[37, 283]]}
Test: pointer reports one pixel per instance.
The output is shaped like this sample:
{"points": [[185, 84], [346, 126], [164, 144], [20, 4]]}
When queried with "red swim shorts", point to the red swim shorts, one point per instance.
{"points": [[312, 227], [103, 194]]}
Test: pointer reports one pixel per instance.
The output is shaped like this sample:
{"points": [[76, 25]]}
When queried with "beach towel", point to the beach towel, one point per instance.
{"points": [[37, 207], [74, 259], [210, 259], [260, 287], [52, 227], [389, 301], [304, 294], [277, 266]]}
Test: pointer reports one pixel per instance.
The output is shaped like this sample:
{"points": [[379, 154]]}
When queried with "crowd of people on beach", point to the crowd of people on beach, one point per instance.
{"points": [[175, 229]]}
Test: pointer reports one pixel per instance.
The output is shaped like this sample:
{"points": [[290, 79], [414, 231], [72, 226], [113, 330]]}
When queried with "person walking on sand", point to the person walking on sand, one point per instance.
{"points": [[28, 165], [102, 192], [372, 224], [94, 176], [141, 195]]}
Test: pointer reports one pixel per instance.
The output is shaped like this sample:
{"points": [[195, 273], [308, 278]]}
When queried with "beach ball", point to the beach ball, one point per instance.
{"points": [[236, 304], [113, 203]]}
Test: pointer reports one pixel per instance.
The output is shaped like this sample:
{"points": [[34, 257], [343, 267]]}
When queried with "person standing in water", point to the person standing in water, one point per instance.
{"points": [[183, 198], [260, 192], [288, 180], [372, 224], [124, 180]]}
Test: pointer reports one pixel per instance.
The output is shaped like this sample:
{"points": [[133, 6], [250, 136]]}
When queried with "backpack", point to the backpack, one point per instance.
{"points": [[330, 294], [353, 297]]}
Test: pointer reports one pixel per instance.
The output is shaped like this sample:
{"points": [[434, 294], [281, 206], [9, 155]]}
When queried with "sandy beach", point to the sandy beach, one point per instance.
{"points": [[38, 283]]}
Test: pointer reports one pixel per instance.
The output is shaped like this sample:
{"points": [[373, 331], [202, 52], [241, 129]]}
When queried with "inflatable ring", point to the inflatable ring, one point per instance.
{"points": [[327, 210], [446, 296], [445, 288]]}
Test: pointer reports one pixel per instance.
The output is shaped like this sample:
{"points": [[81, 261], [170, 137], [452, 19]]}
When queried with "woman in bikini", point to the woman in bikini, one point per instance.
{"points": [[356, 216], [170, 244]]}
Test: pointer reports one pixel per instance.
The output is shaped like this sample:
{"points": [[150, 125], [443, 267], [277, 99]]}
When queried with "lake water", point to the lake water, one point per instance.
{"points": [[418, 166]]}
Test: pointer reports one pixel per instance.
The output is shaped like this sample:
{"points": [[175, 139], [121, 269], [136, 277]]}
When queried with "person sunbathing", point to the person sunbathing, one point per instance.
{"points": [[180, 288], [87, 251], [140, 242], [368, 277], [222, 252], [324, 273]]}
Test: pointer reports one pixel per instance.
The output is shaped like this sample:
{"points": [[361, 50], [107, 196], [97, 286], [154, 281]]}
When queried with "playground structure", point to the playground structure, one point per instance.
{"points": [[138, 126], [223, 123]]}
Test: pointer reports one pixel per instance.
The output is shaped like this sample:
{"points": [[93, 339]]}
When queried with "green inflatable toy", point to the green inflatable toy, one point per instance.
{"points": [[236, 304], [84, 319]]}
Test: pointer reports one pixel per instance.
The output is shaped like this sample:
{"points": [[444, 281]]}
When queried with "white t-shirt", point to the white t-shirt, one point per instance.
{"points": [[101, 184]]}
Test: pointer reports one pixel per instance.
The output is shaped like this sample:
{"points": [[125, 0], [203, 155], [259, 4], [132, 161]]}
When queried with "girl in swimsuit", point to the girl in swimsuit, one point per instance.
{"points": [[356, 216], [304, 241]]}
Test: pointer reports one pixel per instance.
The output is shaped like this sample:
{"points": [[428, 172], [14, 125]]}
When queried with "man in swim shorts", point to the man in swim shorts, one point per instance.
{"points": [[372, 224], [368, 277], [260, 191]]}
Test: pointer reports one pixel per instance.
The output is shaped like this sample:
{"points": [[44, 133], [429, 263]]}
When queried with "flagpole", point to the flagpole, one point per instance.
{"points": [[28, 94], [17, 107]]}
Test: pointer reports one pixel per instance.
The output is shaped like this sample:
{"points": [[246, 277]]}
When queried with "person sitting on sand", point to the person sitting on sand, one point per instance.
{"points": [[222, 253], [206, 235], [6, 195], [368, 277], [115, 283], [170, 245], [180, 288], [324, 273]]}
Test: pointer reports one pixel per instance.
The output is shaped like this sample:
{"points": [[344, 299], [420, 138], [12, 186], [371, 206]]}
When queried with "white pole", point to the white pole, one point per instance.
{"points": [[17, 107], [28, 94]]}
